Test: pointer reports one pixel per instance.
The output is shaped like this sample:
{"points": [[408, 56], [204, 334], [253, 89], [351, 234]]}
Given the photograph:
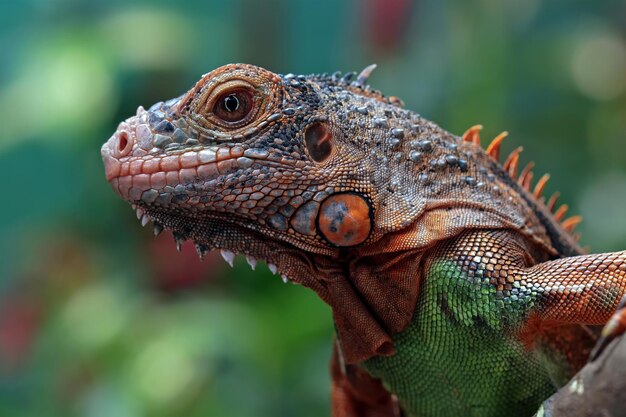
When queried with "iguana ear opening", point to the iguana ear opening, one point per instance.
{"points": [[319, 142]]}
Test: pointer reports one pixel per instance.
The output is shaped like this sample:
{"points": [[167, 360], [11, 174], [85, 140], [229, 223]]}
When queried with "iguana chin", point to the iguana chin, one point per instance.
{"points": [[455, 289]]}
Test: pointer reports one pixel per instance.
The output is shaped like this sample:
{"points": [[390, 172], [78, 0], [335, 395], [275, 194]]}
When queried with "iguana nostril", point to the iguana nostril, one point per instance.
{"points": [[124, 143]]}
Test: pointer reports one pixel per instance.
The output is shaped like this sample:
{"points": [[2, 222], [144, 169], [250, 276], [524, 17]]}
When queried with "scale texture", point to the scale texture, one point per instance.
{"points": [[456, 287]]}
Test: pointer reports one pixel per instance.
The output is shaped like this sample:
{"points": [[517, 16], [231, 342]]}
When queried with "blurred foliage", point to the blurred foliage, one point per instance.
{"points": [[99, 319]]}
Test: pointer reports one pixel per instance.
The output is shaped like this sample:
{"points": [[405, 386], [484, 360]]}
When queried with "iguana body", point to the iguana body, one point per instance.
{"points": [[455, 290]]}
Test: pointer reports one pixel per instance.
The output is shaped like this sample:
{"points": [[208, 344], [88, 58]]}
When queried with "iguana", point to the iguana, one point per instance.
{"points": [[456, 288]]}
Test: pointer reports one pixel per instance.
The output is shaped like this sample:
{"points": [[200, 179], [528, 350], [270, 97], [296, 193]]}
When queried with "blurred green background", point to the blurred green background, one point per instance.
{"points": [[99, 319]]}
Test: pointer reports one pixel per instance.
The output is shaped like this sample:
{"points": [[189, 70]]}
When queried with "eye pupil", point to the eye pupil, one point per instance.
{"points": [[233, 106], [231, 103]]}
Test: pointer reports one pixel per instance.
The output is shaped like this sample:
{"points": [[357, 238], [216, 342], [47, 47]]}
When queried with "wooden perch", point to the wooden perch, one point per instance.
{"points": [[598, 390]]}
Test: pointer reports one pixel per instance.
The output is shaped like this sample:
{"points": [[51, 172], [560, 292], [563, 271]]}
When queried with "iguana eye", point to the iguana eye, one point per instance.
{"points": [[233, 106]]}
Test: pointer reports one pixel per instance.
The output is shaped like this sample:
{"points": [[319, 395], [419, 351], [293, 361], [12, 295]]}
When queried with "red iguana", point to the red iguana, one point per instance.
{"points": [[455, 289]]}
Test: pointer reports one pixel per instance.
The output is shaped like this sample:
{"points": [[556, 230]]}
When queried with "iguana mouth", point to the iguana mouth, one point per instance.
{"points": [[154, 178]]}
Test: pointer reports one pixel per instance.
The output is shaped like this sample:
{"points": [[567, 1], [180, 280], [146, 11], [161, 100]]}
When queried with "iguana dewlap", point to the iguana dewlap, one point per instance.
{"points": [[455, 289]]}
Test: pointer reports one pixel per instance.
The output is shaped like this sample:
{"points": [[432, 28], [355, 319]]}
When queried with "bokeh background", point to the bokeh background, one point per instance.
{"points": [[99, 319]]}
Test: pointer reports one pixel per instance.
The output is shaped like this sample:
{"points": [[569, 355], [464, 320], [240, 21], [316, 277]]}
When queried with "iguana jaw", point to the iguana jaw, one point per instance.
{"points": [[215, 231]]}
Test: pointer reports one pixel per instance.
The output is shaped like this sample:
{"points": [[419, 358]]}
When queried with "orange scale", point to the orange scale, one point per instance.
{"points": [[135, 167], [170, 163], [151, 166], [345, 219]]}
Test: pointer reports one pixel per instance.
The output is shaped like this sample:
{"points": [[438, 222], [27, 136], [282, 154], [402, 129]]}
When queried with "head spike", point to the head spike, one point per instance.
{"points": [[511, 163], [347, 77], [528, 181], [228, 256], [541, 185], [560, 213], [493, 149], [396, 101], [179, 239], [251, 261], [361, 80], [202, 250], [472, 134], [552, 201], [570, 223], [526, 176]]}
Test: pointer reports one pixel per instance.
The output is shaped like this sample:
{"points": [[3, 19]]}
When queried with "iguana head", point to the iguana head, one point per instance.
{"points": [[337, 187], [285, 158]]}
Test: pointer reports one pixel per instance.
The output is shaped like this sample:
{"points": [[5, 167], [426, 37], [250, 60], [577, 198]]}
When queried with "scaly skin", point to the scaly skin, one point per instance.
{"points": [[455, 290]]}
